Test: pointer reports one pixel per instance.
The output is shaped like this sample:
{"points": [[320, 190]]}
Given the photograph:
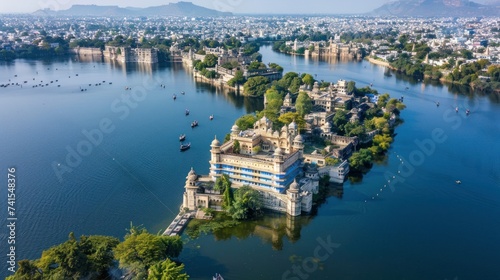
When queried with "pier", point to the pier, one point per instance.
{"points": [[178, 224]]}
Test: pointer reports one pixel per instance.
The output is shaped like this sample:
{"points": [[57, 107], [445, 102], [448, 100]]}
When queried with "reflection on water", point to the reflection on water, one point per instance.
{"points": [[250, 104], [273, 227]]}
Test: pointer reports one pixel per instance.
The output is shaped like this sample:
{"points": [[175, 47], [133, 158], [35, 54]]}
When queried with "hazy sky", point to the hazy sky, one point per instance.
{"points": [[235, 6]]}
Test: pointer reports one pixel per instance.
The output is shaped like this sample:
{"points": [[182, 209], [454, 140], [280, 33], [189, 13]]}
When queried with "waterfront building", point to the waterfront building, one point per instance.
{"points": [[330, 98], [334, 50], [269, 161], [127, 54]]}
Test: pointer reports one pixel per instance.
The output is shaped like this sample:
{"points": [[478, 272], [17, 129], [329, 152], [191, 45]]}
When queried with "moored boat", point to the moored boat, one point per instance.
{"points": [[195, 123], [186, 112], [184, 147], [211, 117], [182, 137]]}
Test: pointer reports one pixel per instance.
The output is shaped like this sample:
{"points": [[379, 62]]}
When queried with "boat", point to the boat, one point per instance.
{"points": [[186, 112], [467, 112], [195, 123], [458, 182], [182, 92], [437, 103], [211, 117], [456, 109], [184, 147], [174, 96], [182, 137], [217, 277]]}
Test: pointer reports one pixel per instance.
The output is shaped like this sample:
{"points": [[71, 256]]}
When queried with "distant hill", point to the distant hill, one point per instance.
{"points": [[436, 8], [172, 9]]}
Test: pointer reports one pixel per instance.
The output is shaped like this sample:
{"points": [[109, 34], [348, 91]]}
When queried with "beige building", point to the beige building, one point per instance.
{"points": [[127, 54]]}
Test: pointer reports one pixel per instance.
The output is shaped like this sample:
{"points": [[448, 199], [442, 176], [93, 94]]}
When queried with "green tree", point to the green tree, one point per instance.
{"points": [[256, 65], [245, 122], [227, 137], [394, 106], [236, 147], [289, 117], [247, 203], [361, 159], [274, 100], [295, 85], [222, 183], [354, 129], [382, 100], [308, 79], [91, 255], [139, 251], [330, 161], [303, 104], [275, 67], [167, 270], [383, 141], [238, 79], [340, 120], [256, 86], [351, 87], [228, 198], [210, 60], [27, 270]]}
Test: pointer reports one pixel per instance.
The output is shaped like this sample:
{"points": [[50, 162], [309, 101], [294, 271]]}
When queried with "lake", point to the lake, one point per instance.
{"points": [[93, 161]]}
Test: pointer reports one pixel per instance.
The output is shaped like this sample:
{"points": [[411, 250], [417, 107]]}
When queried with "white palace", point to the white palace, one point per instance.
{"points": [[269, 161]]}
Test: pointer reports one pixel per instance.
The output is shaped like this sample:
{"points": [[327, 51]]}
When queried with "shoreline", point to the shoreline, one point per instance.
{"points": [[378, 62]]}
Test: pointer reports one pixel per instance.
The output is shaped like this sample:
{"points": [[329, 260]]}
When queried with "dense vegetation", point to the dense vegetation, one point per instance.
{"points": [[140, 256]]}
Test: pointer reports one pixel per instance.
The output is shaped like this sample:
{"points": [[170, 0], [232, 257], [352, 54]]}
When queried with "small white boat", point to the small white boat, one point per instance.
{"points": [[217, 277], [211, 117]]}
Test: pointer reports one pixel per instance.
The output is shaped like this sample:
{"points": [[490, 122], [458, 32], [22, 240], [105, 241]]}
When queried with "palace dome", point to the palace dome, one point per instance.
{"points": [[298, 138], [192, 175], [294, 185], [235, 128], [215, 142]]}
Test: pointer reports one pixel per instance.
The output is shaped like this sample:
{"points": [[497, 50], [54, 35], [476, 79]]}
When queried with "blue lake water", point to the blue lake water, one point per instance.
{"points": [[421, 225]]}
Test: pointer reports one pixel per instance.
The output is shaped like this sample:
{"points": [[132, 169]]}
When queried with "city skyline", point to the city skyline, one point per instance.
{"points": [[233, 6]]}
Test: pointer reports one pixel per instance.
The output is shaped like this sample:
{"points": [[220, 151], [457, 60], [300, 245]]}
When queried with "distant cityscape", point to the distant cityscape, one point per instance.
{"points": [[309, 133]]}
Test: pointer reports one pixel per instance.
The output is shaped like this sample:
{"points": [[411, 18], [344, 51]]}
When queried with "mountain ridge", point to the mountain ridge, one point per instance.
{"points": [[436, 8], [172, 9]]}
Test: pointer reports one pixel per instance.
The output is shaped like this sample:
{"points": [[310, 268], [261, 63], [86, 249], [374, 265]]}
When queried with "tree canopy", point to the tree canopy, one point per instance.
{"points": [[140, 250], [256, 86], [91, 256], [303, 104], [245, 122], [246, 204], [167, 270]]}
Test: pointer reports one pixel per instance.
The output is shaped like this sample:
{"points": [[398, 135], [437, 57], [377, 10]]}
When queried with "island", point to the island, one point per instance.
{"points": [[277, 157]]}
